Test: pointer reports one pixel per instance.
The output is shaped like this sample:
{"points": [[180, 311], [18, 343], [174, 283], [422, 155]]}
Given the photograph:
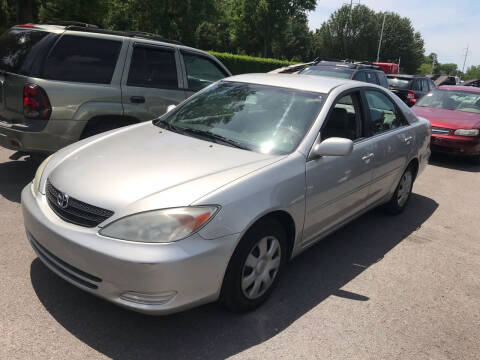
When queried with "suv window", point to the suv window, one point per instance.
{"points": [[371, 78], [82, 59], [153, 67], [360, 76], [20, 49], [425, 87], [344, 120], [382, 79], [201, 71], [417, 85], [384, 115]]}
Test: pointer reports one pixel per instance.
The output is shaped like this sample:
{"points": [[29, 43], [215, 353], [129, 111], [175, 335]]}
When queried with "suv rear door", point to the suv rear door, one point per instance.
{"points": [[152, 80]]}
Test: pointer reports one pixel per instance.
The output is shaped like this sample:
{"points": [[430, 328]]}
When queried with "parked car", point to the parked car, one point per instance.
{"points": [[454, 114], [62, 83], [360, 71], [210, 200], [410, 88]]}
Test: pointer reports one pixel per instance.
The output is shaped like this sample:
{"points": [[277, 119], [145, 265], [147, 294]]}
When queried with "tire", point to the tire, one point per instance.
{"points": [[474, 160], [37, 158], [402, 193], [260, 255]]}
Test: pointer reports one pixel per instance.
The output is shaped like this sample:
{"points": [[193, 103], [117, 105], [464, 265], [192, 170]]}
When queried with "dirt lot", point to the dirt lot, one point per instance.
{"points": [[405, 287]]}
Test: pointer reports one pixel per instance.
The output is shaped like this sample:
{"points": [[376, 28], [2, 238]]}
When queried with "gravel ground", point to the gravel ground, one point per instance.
{"points": [[405, 287]]}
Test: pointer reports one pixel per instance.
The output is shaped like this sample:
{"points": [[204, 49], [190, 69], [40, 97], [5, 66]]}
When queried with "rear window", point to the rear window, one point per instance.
{"points": [[399, 83], [330, 71], [22, 49], [82, 59]]}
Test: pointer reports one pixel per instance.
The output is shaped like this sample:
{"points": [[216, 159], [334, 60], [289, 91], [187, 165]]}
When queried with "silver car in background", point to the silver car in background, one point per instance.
{"points": [[210, 200]]}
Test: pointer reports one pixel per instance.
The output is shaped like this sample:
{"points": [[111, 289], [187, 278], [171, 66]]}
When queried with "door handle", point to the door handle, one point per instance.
{"points": [[408, 139], [367, 157], [137, 99]]}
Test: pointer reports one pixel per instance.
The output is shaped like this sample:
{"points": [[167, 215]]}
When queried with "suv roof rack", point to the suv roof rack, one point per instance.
{"points": [[134, 34], [71, 23], [356, 64]]}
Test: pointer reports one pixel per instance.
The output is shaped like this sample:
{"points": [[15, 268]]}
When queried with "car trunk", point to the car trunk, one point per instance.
{"points": [[22, 51]]}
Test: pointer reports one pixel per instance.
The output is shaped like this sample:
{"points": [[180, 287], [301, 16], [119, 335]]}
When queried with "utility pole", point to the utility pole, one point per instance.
{"points": [[381, 36], [465, 60]]}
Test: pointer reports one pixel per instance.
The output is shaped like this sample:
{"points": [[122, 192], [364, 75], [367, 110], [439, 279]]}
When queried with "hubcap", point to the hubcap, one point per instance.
{"points": [[261, 267], [404, 188]]}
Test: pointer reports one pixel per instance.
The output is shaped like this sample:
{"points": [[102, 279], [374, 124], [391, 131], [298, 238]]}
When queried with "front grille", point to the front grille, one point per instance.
{"points": [[76, 211], [440, 130], [65, 269]]}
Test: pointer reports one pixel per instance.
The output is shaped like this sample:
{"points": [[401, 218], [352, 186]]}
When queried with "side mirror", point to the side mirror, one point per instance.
{"points": [[333, 146], [171, 107]]}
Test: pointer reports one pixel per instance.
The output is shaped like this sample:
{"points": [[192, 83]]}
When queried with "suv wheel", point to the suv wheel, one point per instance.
{"points": [[255, 266]]}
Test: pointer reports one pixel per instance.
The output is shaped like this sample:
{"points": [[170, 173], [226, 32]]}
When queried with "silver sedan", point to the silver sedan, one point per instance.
{"points": [[209, 201]]}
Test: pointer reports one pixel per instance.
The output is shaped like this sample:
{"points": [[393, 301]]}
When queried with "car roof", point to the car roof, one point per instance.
{"points": [[406, 76], [320, 84], [460, 88], [348, 65]]}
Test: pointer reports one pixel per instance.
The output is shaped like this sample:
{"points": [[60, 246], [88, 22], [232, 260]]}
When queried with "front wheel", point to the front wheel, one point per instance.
{"points": [[402, 193], [255, 266]]}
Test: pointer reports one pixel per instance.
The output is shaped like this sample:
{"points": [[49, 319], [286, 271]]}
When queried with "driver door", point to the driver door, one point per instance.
{"points": [[338, 186]]}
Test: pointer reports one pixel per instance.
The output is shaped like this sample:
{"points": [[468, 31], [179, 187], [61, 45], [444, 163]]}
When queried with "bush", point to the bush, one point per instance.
{"points": [[241, 64]]}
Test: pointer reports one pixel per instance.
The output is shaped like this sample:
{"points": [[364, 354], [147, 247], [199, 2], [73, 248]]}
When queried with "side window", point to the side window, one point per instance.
{"points": [[382, 79], [384, 115], [82, 59], [417, 85], [425, 87], [360, 76], [431, 84], [201, 71], [344, 120], [153, 67], [371, 78]]}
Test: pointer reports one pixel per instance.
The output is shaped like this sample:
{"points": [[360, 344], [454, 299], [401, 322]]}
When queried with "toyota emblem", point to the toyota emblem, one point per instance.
{"points": [[62, 200]]}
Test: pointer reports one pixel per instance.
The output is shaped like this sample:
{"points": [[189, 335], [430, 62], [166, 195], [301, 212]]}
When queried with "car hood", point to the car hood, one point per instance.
{"points": [[453, 119], [128, 166]]}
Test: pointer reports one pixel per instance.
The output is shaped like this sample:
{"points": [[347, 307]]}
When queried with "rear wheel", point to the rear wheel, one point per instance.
{"points": [[402, 193], [255, 266]]}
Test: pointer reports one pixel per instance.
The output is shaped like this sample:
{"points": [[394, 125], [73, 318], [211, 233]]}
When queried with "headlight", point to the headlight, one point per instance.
{"points": [[38, 175], [160, 226], [467, 132]]}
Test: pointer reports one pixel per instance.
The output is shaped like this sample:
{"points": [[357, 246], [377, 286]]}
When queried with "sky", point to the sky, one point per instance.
{"points": [[447, 26]]}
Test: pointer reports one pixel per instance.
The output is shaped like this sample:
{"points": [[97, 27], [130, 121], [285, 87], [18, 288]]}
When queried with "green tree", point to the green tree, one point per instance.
{"points": [[259, 23], [446, 69], [473, 72], [89, 11], [355, 33], [425, 69]]}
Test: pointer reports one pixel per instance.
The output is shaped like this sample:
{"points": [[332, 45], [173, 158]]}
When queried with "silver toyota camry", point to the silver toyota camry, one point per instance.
{"points": [[209, 201]]}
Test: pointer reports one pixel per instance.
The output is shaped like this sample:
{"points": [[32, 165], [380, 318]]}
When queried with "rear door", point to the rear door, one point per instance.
{"points": [[152, 80], [200, 71], [391, 137]]}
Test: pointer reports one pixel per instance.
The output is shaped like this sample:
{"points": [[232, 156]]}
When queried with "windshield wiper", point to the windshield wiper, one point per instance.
{"points": [[167, 125], [212, 136]]}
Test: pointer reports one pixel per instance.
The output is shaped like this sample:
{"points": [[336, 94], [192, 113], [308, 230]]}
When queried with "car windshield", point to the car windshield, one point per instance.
{"points": [[260, 118], [452, 100], [329, 71], [398, 83]]}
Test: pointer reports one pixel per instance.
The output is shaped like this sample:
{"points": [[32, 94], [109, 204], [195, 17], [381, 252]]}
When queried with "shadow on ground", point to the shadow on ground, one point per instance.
{"points": [[454, 162], [14, 175], [209, 331]]}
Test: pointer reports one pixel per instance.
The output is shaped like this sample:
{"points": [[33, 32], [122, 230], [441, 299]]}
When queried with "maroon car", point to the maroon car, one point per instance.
{"points": [[454, 115]]}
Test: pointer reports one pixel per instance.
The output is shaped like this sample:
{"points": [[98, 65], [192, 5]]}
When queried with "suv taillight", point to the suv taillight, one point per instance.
{"points": [[35, 103], [411, 95]]}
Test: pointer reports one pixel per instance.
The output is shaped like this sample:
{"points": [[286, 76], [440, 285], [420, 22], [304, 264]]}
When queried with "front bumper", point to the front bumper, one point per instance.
{"points": [[54, 136], [149, 278], [455, 145]]}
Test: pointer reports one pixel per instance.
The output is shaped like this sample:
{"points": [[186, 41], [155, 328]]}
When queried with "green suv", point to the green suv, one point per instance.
{"points": [[60, 83]]}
